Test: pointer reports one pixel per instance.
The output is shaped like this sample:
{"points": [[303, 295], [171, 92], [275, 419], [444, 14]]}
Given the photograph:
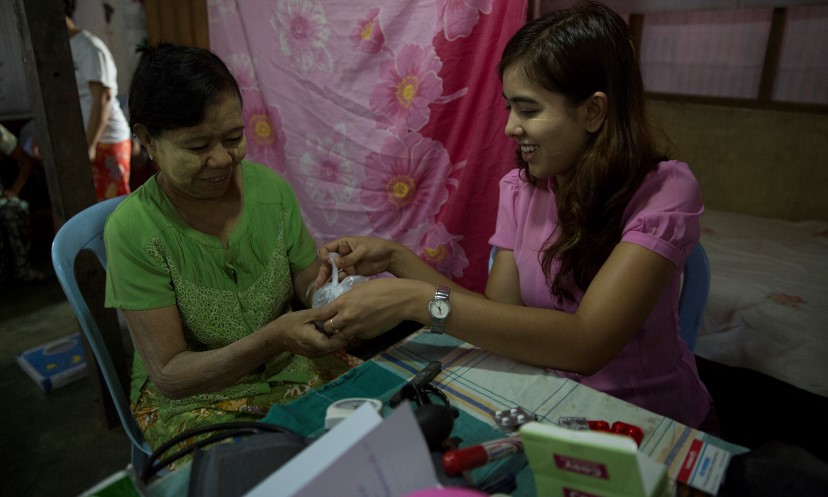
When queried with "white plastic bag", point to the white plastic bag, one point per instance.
{"points": [[334, 288]]}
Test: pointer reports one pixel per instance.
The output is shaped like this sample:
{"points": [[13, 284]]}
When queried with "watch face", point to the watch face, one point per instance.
{"points": [[439, 308]]}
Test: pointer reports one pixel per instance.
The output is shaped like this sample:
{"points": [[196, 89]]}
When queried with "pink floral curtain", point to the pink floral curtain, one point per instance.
{"points": [[385, 116]]}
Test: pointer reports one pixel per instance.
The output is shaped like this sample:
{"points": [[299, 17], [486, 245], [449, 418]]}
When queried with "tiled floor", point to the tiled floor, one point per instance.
{"points": [[51, 443]]}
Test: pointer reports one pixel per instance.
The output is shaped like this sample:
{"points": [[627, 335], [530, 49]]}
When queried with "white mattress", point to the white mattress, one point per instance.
{"points": [[768, 303]]}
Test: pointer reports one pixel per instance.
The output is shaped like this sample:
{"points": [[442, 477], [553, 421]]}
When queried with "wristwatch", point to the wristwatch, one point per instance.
{"points": [[439, 309]]}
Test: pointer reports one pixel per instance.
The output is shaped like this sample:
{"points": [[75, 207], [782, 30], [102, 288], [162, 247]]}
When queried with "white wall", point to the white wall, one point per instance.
{"points": [[126, 29]]}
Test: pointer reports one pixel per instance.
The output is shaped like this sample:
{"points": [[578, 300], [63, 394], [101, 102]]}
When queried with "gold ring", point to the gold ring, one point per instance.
{"points": [[334, 327]]}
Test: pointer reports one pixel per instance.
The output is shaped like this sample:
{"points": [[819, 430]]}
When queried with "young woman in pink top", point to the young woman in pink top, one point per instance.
{"points": [[592, 231]]}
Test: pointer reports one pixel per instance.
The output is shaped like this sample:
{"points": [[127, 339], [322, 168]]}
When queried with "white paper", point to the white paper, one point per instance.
{"points": [[363, 456]]}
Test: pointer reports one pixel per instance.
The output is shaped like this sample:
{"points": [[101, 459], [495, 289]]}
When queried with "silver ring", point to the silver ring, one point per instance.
{"points": [[334, 327]]}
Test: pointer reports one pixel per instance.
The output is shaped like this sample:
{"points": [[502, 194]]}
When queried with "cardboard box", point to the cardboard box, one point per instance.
{"points": [[56, 363], [573, 463]]}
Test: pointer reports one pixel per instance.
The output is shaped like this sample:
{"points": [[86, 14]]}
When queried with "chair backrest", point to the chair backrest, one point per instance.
{"points": [[694, 291], [84, 231]]}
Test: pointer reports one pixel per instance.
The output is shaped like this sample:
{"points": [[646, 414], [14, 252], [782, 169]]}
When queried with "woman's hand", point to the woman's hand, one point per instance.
{"points": [[179, 372], [298, 333], [374, 307], [362, 255]]}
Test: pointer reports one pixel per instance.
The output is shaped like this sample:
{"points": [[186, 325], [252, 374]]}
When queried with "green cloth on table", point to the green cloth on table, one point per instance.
{"points": [[306, 415]]}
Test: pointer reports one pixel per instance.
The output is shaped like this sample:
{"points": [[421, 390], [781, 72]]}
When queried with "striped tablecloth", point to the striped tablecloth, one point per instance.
{"points": [[481, 383]]}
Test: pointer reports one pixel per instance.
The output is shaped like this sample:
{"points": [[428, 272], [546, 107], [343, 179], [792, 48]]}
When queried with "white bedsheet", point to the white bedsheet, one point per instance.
{"points": [[768, 304]]}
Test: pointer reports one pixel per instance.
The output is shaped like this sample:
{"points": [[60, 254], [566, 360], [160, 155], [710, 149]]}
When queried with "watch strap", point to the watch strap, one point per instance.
{"points": [[438, 324]]}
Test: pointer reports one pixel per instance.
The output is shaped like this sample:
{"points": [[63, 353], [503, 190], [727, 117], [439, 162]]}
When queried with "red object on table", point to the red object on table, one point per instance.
{"points": [[459, 460], [619, 428], [632, 431], [598, 425]]}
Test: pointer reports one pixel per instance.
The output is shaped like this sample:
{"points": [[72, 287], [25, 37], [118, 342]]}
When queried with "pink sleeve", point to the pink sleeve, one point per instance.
{"points": [[506, 227], [663, 215]]}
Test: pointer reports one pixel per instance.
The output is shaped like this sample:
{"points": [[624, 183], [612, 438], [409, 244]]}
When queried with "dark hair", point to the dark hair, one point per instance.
{"points": [[69, 8], [576, 52], [173, 85]]}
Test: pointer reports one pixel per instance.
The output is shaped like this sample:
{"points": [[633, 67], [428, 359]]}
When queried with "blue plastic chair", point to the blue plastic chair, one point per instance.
{"points": [[694, 291], [84, 231]]}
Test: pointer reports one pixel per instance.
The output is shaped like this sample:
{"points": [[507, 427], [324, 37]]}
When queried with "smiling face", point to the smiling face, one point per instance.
{"points": [[199, 162], [551, 133]]}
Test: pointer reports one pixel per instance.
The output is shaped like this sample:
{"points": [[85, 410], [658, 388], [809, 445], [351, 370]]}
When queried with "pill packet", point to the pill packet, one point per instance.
{"points": [[334, 288]]}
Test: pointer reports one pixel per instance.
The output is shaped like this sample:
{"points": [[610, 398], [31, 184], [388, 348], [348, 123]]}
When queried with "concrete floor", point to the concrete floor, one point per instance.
{"points": [[52, 443]]}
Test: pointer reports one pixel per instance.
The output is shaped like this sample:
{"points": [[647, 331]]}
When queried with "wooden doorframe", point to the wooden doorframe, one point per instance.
{"points": [[50, 73], [183, 22]]}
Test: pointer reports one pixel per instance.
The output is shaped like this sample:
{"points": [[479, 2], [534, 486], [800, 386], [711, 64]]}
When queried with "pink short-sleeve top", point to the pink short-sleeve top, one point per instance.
{"points": [[655, 370]]}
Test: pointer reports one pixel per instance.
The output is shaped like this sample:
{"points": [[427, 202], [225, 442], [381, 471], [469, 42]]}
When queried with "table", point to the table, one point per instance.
{"points": [[480, 383]]}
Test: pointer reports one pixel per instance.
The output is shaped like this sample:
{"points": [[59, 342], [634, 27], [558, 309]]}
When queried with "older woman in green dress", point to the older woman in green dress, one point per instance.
{"points": [[205, 258]]}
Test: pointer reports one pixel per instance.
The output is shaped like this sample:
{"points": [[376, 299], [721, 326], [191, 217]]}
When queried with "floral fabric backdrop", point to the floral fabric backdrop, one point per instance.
{"points": [[385, 116]]}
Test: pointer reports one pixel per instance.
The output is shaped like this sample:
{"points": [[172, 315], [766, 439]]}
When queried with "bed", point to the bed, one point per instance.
{"points": [[768, 304]]}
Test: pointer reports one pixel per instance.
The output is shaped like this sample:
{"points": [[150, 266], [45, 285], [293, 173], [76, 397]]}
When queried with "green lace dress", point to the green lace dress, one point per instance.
{"points": [[155, 259]]}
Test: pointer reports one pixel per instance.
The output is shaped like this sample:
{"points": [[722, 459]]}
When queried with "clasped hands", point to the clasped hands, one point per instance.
{"points": [[370, 308]]}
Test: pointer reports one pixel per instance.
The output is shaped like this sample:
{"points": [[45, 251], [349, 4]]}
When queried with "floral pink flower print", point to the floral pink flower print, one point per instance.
{"points": [[220, 8], [303, 33], [367, 36], [787, 300], [459, 17], [241, 66], [442, 251], [406, 183], [328, 175], [408, 85], [265, 135]]}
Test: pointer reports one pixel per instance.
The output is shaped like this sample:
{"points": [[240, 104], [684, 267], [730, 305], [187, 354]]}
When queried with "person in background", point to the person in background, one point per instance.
{"points": [[592, 231], [205, 257], [107, 131], [15, 238]]}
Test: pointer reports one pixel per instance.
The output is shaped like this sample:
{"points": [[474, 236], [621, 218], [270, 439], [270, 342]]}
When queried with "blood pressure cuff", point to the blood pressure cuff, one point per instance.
{"points": [[233, 469]]}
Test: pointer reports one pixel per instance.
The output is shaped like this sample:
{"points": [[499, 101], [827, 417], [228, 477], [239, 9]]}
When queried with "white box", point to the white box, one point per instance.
{"points": [[56, 363]]}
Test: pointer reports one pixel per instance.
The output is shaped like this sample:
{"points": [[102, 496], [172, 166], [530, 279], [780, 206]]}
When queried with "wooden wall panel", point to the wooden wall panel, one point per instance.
{"points": [[47, 59], [183, 22], [757, 161]]}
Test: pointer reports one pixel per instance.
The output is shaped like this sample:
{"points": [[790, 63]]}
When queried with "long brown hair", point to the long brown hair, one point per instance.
{"points": [[576, 52]]}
